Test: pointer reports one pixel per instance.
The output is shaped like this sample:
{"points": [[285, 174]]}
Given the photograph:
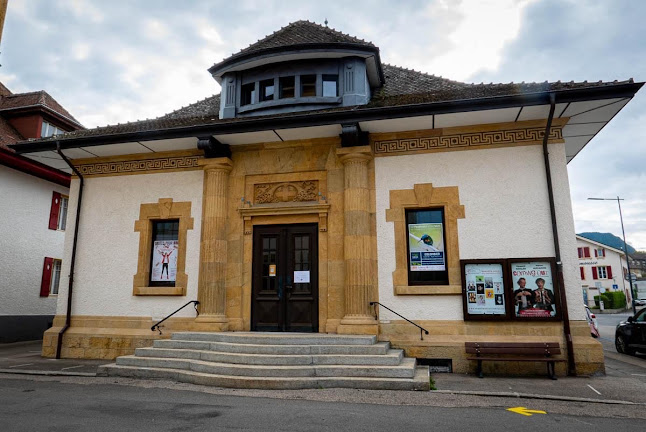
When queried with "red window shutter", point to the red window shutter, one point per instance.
{"points": [[53, 213], [580, 251], [586, 250], [603, 253], [595, 253], [47, 277], [594, 273], [582, 273], [609, 271]]}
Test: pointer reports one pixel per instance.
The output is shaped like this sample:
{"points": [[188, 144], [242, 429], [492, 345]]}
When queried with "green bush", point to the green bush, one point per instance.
{"points": [[608, 301], [618, 299]]}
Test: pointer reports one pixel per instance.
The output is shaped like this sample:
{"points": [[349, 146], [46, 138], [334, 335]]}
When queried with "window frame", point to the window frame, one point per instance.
{"points": [[164, 209], [423, 196], [302, 84], [281, 86], [252, 94], [605, 272], [55, 282], [263, 85], [61, 223], [336, 82], [445, 273], [154, 234]]}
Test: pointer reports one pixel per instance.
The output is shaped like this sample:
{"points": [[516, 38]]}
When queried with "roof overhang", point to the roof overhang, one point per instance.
{"points": [[589, 110], [596, 243], [310, 51]]}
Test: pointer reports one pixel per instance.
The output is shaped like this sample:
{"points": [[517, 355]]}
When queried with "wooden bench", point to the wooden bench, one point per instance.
{"points": [[515, 351]]}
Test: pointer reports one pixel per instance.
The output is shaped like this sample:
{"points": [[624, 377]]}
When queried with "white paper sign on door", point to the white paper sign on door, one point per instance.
{"points": [[301, 277]]}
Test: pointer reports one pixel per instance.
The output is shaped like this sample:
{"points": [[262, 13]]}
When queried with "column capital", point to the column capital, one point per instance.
{"points": [[216, 164], [352, 154]]}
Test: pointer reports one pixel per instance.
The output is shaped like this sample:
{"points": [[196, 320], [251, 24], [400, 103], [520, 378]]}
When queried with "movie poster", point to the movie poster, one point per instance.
{"points": [[426, 247], [534, 295], [485, 289], [164, 265]]}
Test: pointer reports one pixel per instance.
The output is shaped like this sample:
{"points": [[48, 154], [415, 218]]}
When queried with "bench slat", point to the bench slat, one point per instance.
{"points": [[512, 344], [537, 359], [519, 351]]}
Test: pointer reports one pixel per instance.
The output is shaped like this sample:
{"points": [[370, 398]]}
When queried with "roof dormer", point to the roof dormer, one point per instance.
{"points": [[303, 66]]}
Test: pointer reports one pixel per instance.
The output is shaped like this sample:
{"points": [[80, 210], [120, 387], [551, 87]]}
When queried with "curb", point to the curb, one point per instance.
{"points": [[537, 396], [46, 373]]}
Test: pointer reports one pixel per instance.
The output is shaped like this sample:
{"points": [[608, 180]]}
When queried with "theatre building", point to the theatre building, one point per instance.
{"points": [[319, 181]]}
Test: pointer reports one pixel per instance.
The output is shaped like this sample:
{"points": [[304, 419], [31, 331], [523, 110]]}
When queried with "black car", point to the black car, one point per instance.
{"points": [[630, 335]]}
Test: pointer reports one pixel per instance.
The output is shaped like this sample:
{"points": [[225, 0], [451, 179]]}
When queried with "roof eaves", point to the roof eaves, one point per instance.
{"points": [[356, 114]]}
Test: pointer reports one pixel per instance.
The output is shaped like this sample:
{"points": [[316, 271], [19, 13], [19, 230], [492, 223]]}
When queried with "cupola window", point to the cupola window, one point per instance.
{"points": [[330, 85], [308, 85], [248, 94], [266, 90], [287, 87]]}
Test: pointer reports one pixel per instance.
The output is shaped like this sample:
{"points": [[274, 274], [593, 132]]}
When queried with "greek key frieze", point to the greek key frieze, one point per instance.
{"points": [[135, 166], [471, 139]]}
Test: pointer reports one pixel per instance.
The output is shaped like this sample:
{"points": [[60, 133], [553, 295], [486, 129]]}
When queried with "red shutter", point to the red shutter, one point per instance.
{"points": [[47, 277], [609, 270], [595, 253], [594, 273], [582, 273], [586, 251], [603, 253], [53, 213], [580, 251]]}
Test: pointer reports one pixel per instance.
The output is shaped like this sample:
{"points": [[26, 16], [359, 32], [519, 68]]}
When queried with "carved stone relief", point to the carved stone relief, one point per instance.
{"points": [[298, 191]]}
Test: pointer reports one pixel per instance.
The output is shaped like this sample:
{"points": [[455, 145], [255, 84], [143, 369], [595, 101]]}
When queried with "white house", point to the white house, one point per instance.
{"points": [[601, 268]]}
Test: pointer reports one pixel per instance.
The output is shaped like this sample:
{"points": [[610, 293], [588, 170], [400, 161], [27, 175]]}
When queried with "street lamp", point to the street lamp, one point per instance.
{"points": [[630, 279]]}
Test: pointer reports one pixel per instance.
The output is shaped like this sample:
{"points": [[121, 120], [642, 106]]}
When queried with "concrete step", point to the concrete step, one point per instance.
{"points": [[276, 338], [248, 348], [391, 358], [420, 381], [406, 368]]}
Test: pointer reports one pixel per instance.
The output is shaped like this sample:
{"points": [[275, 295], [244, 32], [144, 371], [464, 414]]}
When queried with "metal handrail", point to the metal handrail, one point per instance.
{"points": [[156, 325], [422, 330]]}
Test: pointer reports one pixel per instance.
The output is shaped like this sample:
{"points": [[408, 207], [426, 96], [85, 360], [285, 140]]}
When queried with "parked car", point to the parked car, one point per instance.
{"points": [[640, 302], [592, 322], [630, 335]]}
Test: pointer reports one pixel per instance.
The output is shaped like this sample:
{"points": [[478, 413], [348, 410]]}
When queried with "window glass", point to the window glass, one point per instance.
{"points": [[308, 85], [427, 261], [602, 272], [287, 87], [56, 277], [330, 85], [163, 266], [248, 94], [62, 213], [267, 90]]}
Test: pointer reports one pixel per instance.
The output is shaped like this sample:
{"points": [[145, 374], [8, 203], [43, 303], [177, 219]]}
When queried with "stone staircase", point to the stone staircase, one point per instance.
{"points": [[274, 361]]}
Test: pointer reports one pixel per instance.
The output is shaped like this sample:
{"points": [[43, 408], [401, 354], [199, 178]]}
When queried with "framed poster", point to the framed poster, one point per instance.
{"points": [[535, 291], [425, 242], [164, 257], [484, 289]]}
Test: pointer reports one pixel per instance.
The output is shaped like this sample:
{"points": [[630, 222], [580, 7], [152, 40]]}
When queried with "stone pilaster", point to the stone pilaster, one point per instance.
{"points": [[213, 244], [358, 243]]}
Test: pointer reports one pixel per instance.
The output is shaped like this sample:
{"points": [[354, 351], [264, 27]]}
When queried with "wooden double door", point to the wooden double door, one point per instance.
{"points": [[284, 293]]}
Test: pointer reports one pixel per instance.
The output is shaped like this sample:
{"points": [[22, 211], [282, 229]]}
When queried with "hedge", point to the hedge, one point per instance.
{"points": [[611, 300]]}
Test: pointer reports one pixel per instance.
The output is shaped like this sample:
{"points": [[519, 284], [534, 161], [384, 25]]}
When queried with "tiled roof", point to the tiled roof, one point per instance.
{"points": [[299, 33], [8, 135], [402, 87], [206, 107], [42, 98]]}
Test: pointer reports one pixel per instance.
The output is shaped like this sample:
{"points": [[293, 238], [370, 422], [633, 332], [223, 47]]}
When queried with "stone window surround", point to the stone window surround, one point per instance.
{"points": [[164, 209], [425, 196]]}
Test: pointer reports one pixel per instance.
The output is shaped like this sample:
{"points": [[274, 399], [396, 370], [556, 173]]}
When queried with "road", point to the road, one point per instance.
{"points": [[44, 404]]}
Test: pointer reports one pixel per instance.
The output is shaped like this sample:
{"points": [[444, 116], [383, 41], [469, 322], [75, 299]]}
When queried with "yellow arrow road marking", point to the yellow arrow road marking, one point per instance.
{"points": [[524, 411]]}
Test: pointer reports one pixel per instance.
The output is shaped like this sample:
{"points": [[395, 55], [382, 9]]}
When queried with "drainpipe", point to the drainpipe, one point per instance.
{"points": [[68, 316], [557, 248]]}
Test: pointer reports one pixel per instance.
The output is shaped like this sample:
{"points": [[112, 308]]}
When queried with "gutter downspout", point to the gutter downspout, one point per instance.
{"points": [[557, 248], [68, 317]]}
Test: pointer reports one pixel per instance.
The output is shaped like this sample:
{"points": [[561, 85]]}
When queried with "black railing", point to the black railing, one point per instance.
{"points": [[422, 330], [157, 327]]}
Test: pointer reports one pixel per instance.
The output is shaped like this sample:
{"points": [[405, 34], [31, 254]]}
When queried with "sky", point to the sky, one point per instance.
{"points": [[118, 61]]}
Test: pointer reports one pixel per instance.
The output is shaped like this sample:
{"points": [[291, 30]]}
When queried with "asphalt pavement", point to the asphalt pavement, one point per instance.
{"points": [[621, 393]]}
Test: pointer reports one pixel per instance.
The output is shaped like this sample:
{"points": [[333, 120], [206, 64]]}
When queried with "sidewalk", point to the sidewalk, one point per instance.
{"points": [[624, 383]]}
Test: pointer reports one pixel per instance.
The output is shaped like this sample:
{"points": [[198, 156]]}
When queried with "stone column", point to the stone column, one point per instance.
{"points": [[213, 244], [358, 241]]}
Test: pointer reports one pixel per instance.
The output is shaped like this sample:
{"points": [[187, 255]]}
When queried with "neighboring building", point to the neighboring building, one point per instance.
{"points": [[290, 202], [34, 210], [638, 263], [602, 268]]}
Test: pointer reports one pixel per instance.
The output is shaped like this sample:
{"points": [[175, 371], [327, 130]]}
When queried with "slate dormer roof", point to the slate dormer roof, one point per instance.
{"points": [[297, 35]]}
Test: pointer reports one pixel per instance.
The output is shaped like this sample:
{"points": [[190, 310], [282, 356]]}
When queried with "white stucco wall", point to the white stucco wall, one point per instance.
{"points": [[25, 241], [507, 216], [613, 259], [108, 246]]}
